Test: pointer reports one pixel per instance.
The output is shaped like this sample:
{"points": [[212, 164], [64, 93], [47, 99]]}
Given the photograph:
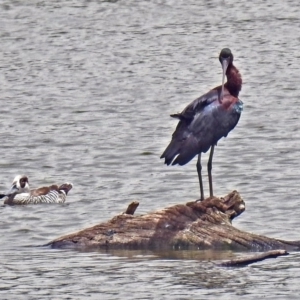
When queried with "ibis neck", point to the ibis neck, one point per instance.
{"points": [[234, 80]]}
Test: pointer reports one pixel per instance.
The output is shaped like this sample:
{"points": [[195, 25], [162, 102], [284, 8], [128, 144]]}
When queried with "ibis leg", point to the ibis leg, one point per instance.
{"points": [[209, 167], [199, 169]]}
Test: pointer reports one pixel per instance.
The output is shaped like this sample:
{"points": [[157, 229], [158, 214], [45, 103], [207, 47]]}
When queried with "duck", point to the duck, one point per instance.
{"points": [[21, 194]]}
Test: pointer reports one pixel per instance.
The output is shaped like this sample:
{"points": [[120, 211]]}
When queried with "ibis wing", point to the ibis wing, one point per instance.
{"points": [[183, 139], [211, 121], [198, 104]]}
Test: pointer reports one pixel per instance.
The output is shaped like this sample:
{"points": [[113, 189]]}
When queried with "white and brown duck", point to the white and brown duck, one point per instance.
{"points": [[20, 193]]}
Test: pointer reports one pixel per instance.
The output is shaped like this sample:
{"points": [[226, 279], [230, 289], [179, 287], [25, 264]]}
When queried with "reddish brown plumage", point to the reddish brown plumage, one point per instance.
{"points": [[228, 101], [234, 80], [44, 190]]}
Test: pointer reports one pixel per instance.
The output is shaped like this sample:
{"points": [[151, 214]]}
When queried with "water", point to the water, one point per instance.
{"points": [[87, 88]]}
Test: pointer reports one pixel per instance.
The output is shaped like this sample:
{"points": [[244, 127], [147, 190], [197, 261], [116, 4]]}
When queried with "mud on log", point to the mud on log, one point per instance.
{"points": [[194, 225]]}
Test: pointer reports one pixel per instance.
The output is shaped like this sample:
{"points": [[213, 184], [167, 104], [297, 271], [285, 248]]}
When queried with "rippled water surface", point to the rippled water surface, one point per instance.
{"points": [[86, 91]]}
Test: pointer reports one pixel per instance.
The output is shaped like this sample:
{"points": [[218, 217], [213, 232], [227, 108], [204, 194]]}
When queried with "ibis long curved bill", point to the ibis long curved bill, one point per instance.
{"points": [[225, 63]]}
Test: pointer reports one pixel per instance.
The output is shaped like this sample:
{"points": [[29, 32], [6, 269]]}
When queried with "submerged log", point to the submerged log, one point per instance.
{"points": [[244, 261], [194, 225]]}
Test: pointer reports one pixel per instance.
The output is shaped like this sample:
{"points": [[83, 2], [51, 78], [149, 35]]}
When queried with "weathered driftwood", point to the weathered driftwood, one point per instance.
{"points": [[194, 225], [132, 208], [244, 261]]}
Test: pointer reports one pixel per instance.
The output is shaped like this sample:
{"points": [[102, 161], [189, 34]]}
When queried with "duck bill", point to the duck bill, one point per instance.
{"points": [[225, 64], [12, 190]]}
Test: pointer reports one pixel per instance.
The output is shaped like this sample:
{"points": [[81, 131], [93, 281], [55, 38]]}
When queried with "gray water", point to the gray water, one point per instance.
{"points": [[86, 92]]}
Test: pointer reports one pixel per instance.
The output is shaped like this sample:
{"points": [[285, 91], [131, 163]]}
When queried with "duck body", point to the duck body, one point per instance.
{"points": [[21, 194]]}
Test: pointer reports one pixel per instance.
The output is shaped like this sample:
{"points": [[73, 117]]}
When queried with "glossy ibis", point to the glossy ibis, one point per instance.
{"points": [[206, 120]]}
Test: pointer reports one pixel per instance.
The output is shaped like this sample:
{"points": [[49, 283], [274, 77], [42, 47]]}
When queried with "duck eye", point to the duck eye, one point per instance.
{"points": [[22, 183]]}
